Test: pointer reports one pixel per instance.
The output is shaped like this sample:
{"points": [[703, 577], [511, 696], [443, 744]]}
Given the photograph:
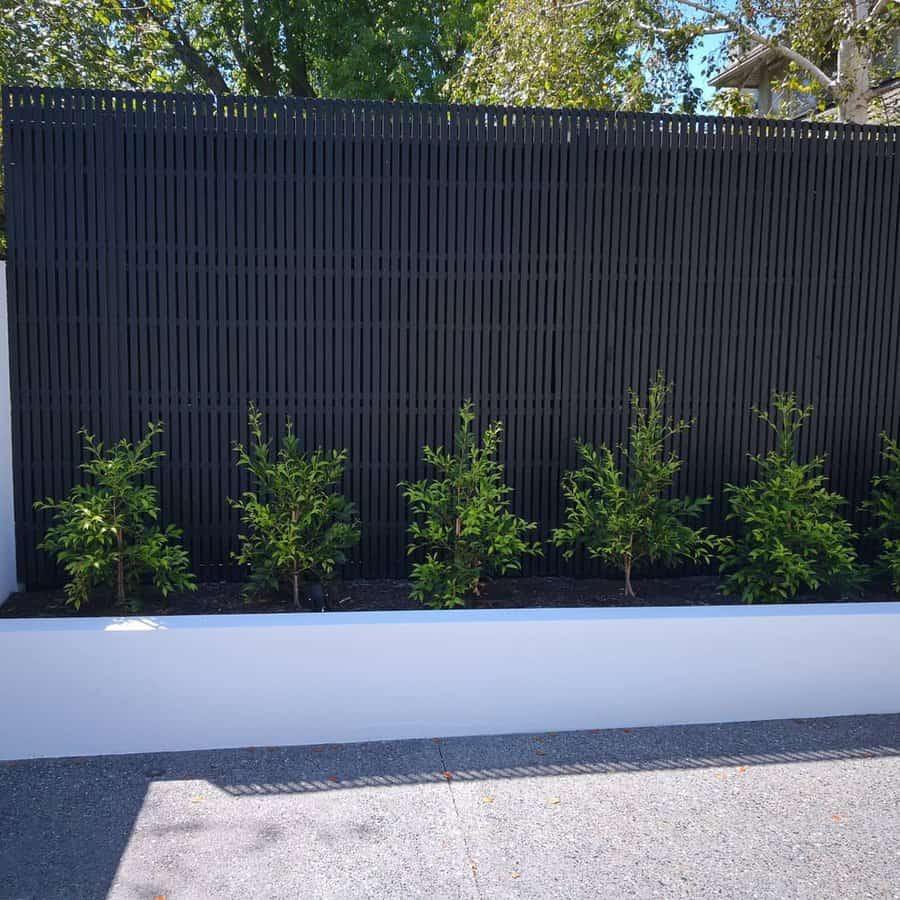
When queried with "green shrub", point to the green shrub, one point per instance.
{"points": [[297, 525], [466, 526], [889, 559], [623, 517], [791, 536], [884, 505], [101, 533]]}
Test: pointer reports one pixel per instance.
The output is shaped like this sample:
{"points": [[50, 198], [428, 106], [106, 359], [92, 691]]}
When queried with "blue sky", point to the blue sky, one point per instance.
{"points": [[704, 46]]}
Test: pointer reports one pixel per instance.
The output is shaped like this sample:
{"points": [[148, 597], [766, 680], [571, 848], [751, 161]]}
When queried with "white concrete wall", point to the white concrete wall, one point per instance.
{"points": [[8, 579], [86, 686]]}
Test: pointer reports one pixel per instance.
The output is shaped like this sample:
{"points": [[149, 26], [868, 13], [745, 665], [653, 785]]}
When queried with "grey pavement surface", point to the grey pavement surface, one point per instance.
{"points": [[799, 808]]}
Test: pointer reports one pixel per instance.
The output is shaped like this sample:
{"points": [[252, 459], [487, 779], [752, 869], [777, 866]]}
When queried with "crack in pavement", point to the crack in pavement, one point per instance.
{"points": [[473, 866]]}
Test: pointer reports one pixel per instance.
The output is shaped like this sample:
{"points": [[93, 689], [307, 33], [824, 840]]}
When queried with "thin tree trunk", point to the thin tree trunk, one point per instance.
{"points": [[295, 517], [120, 566], [629, 591]]}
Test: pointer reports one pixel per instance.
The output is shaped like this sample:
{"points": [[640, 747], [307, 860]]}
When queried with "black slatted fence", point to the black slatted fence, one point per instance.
{"points": [[365, 267]]}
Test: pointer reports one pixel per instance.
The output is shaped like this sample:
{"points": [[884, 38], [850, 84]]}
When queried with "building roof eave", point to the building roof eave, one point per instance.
{"points": [[746, 71]]}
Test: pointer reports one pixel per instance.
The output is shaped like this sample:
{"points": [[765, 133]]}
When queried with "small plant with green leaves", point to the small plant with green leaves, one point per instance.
{"points": [[102, 533], [299, 527], [465, 527], [884, 506], [624, 517], [791, 536]]}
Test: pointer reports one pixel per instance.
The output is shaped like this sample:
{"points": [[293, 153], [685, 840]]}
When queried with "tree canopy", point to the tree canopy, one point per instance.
{"points": [[387, 49], [634, 54], [593, 54]]}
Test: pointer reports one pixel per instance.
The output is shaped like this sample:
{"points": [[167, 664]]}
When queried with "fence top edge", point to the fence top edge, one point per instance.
{"points": [[23, 97]]}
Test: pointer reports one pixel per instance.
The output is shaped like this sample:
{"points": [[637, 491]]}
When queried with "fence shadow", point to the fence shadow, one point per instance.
{"points": [[603, 752]]}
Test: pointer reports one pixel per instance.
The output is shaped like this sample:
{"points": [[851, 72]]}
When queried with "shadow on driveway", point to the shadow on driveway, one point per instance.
{"points": [[68, 821]]}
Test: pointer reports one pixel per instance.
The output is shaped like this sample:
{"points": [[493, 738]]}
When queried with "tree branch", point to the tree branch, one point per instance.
{"points": [[655, 29], [243, 60], [181, 45], [830, 84], [878, 9], [196, 63], [735, 24]]}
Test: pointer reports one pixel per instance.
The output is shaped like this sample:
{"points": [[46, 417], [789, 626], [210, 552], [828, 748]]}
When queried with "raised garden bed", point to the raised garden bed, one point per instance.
{"points": [[393, 594], [86, 685]]}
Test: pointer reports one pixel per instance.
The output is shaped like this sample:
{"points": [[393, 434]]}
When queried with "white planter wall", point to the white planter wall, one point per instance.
{"points": [[8, 579], [90, 686]]}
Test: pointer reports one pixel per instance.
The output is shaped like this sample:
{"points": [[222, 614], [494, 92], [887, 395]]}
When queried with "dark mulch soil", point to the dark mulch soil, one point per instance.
{"points": [[387, 594]]}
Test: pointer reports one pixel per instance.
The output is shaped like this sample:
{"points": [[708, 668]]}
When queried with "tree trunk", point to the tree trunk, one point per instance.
{"points": [[853, 65], [295, 517], [120, 566], [259, 59], [629, 591], [853, 75], [297, 65]]}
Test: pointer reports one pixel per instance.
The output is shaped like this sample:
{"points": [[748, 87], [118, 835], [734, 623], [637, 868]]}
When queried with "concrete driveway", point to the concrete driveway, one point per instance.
{"points": [[770, 809]]}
